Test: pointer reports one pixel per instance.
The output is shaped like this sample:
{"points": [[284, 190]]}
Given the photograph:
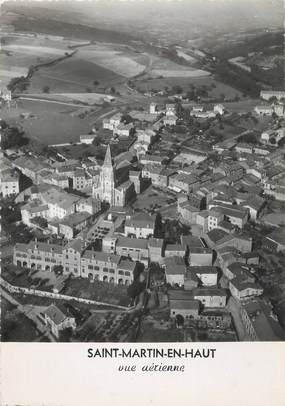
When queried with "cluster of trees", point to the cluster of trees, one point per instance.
{"points": [[249, 138], [236, 77], [135, 289], [12, 137], [195, 93], [40, 221], [10, 213], [263, 42], [19, 84]]}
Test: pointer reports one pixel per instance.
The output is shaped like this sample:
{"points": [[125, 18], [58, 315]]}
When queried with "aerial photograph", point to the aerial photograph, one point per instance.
{"points": [[142, 171]]}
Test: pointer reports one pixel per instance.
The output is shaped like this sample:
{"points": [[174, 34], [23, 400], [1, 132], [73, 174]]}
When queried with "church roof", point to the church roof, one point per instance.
{"points": [[108, 157]]}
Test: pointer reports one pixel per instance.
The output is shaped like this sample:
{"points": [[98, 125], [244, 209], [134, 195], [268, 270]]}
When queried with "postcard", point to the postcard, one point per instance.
{"points": [[142, 202]]}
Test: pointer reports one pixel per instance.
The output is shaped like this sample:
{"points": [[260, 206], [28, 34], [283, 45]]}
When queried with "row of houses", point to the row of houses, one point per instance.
{"points": [[75, 260]]}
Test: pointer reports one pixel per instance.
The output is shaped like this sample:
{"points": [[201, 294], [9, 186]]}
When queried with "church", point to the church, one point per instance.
{"points": [[111, 187]]}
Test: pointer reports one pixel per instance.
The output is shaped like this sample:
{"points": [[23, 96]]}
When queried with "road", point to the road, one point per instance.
{"points": [[35, 98], [233, 308]]}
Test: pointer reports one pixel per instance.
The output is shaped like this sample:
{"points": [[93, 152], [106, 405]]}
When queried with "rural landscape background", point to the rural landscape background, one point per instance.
{"points": [[129, 49]]}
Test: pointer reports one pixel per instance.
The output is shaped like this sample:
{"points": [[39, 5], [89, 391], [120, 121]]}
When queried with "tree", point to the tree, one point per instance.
{"points": [[95, 83], [13, 137], [273, 100], [135, 288], [177, 89], [126, 119], [158, 233], [65, 335], [97, 141], [272, 141], [58, 269], [46, 89], [249, 138], [40, 221], [179, 320]]}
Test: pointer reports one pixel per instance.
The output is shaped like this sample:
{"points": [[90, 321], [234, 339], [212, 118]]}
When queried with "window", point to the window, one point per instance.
{"points": [[105, 269], [111, 270], [96, 268], [90, 267], [127, 273], [121, 272]]}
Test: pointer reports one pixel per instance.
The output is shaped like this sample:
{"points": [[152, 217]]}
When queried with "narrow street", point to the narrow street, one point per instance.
{"points": [[232, 307]]}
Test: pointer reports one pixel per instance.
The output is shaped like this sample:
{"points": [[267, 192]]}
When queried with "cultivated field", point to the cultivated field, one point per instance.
{"points": [[166, 68], [216, 88], [50, 123], [184, 55], [20, 52], [189, 73], [92, 67], [119, 60], [71, 76]]}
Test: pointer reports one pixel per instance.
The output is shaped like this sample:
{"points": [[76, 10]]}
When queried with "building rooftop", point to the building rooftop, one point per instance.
{"points": [[264, 323], [174, 265], [176, 294], [76, 245], [190, 304], [209, 292], [127, 242], [75, 218], [59, 197], [216, 235], [43, 246], [191, 241], [155, 242], [141, 220], [242, 284], [127, 265], [174, 247], [204, 270], [31, 163], [101, 256], [55, 314]]}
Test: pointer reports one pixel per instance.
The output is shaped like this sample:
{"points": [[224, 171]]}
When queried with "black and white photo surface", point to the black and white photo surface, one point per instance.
{"points": [[142, 171]]}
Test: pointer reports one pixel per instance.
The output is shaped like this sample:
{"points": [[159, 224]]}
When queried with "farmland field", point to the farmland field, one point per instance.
{"points": [[50, 123], [185, 56], [71, 76], [189, 73], [105, 64], [166, 68], [216, 87], [120, 60], [19, 53]]}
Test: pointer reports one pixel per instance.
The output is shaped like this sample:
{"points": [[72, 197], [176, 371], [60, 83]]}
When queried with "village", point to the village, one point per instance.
{"points": [[170, 236]]}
